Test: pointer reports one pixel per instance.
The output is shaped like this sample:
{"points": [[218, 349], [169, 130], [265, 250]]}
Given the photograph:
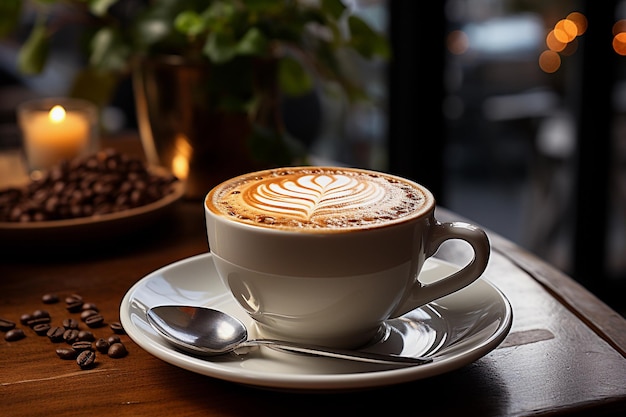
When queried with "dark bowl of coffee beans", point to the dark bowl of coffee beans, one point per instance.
{"points": [[101, 195]]}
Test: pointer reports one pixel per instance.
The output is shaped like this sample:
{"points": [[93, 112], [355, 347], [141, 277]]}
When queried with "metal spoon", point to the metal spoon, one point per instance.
{"points": [[207, 332]]}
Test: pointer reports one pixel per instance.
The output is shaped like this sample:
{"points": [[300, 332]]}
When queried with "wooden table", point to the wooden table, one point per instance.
{"points": [[565, 354]]}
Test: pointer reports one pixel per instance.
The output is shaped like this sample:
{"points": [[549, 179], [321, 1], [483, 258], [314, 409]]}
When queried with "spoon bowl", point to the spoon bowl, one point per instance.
{"points": [[208, 332]]}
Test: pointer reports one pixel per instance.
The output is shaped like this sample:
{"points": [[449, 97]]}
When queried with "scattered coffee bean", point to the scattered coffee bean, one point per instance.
{"points": [[42, 328], [70, 336], [82, 349], [38, 314], [117, 328], [38, 320], [102, 345], [73, 298], [74, 306], [67, 353], [55, 334], [6, 325], [90, 306], [14, 335], [74, 303], [87, 313], [95, 321], [25, 318], [82, 345], [50, 298], [117, 350], [86, 359], [70, 324], [86, 335]]}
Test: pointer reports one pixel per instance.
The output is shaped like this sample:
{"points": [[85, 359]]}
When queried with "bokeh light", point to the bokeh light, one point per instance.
{"points": [[457, 42], [565, 30], [619, 43], [579, 20], [553, 43], [562, 41], [549, 61]]}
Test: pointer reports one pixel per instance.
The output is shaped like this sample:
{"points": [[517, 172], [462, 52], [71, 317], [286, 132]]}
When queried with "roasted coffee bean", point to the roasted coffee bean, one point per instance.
{"points": [[100, 183], [37, 314], [55, 333], [117, 328], [50, 298], [117, 350], [70, 324], [114, 339], [86, 335], [70, 336], [6, 325], [102, 345], [90, 306], [14, 335], [86, 359], [25, 318], [39, 320], [75, 306], [67, 353], [87, 313], [73, 298], [95, 321], [42, 328], [82, 345]]}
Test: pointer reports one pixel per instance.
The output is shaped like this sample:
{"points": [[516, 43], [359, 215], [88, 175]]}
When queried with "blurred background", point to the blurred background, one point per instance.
{"points": [[512, 111]]}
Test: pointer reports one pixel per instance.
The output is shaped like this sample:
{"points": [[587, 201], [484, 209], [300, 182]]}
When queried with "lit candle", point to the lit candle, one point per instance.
{"points": [[50, 137]]}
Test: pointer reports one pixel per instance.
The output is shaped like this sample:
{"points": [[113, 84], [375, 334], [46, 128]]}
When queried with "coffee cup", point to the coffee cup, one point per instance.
{"points": [[325, 255]]}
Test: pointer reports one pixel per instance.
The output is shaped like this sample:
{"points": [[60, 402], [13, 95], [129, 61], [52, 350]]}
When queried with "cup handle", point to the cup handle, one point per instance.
{"points": [[422, 293]]}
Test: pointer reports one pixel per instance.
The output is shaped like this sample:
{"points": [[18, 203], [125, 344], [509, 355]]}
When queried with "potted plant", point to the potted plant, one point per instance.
{"points": [[232, 59]]}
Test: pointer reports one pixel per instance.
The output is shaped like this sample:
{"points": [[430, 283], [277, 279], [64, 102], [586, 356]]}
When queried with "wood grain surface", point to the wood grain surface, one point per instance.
{"points": [[565, 354]]}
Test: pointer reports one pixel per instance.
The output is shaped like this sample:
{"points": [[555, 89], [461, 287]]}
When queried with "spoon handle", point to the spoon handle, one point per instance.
{"points": [[353, 355]]}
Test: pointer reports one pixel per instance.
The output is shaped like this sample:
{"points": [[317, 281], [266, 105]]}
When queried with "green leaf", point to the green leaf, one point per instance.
{"points": [[293, 79], [189, 23], [334, 8], [151, 29], [100, 7], [218, 13], [253, 43], [366, 41], [34, 53], [220, 48], [109, 51]]}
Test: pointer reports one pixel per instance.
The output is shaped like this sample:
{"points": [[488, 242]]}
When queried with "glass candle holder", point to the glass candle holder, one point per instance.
{"points": [[56, 129]]}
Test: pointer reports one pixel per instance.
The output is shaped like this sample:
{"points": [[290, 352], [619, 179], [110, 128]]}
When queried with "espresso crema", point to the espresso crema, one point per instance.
{"points": [[318, 197]]}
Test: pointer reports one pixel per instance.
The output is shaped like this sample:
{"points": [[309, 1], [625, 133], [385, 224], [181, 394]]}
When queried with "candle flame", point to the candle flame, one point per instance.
{"points": [[57, 114]]}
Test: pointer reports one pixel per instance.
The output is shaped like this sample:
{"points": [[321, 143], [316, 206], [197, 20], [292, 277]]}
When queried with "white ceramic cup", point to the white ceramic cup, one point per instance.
{"points": [[331, 283]]}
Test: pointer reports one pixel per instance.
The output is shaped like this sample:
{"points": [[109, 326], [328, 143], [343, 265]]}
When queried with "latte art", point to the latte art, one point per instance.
{"points": [[315, 197]]}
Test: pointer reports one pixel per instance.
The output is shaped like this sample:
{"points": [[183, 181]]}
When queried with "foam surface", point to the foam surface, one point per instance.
{"points": [[310, 197]]}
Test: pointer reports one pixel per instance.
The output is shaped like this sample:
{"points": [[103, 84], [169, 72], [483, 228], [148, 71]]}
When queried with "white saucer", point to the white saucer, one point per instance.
{"points": [[455, 330]]}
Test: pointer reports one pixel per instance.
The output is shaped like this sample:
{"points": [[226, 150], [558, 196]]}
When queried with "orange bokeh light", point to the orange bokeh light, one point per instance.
{"points": [[553, 43], [619, 26], [619, 43], [579, 20], [549, 61], [561, 40], [565, 30]]}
